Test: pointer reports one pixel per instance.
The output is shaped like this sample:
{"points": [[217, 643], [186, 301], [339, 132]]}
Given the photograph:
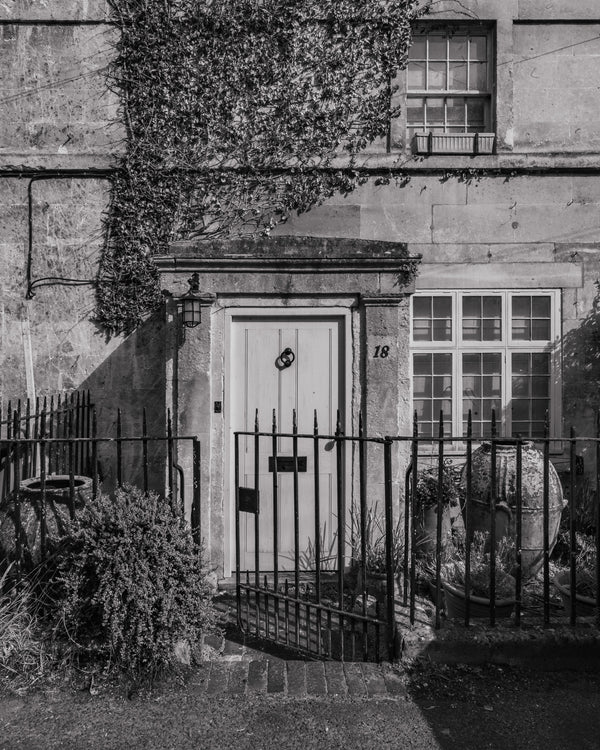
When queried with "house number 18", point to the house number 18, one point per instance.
{"points": [[381, 352]]}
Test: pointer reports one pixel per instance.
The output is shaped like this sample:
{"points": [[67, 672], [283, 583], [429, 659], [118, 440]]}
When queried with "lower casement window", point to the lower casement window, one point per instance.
{"points": [[487, 352]]}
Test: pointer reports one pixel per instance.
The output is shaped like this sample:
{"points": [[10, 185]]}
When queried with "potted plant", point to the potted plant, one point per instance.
{"points": [[374, 565], [426, 507], [454, 579], [585, 578]]}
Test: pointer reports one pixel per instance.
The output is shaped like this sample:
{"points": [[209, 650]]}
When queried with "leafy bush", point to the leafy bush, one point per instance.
{"points": [[129, 582]]}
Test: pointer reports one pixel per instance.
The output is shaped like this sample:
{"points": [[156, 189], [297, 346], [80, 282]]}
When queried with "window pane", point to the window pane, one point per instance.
{"points": [[520, 386], [415, 111], [422, 330], [491, 386], [521, 329], [442, 330], [437, 48], [435, 111], [442, 307], [416, 76], [478, 77], [540, 330], [422, 387], [492, 307], [471, 363], [455, 108], [422, 307], [540, 364], [457, 76], [540, 307], [472, 306], [475, 111], [491, 363], [422, 364], [418, 48], [442, 386], [458, 47], [437, 76], [492, 330], [521, 307], [540, 386], [520, 364], [471, 386], [442, 364], [478, 47], [539, 407]]}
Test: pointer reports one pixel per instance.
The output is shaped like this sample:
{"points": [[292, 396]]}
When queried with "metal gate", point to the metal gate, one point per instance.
{"points": [[326, 592]]}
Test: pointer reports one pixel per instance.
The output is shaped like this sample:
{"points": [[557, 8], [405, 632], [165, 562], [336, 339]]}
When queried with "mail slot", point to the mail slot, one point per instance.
{"points": [[286, 463]]}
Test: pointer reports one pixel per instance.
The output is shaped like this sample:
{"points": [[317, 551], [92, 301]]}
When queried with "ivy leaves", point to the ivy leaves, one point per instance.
{"points": [[234, 110]]}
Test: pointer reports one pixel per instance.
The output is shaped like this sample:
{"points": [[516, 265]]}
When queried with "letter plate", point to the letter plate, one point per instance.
{"points": [[286, 463], [248, 500]]}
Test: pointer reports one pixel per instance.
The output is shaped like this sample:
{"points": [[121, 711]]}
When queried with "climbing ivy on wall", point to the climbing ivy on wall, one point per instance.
{"points": [[237, 113]]}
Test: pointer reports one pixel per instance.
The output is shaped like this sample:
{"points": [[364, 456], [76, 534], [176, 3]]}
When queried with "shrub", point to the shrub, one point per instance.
{"points": [[129, 582], [22, 652]]}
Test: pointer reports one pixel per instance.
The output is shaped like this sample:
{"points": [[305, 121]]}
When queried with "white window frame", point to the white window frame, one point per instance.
{"points": [[486, 95], [506, 347]]}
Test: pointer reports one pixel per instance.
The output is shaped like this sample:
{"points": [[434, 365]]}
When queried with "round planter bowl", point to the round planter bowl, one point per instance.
{"points": [[454, 598], [585, 606]]}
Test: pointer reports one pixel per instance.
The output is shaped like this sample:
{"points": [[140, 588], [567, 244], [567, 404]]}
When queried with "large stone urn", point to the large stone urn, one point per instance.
{"points": [[532, 495], [57, 515]]}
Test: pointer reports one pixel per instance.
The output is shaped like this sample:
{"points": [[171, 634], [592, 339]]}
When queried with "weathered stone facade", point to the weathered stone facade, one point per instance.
{"points": [[524, 217]]}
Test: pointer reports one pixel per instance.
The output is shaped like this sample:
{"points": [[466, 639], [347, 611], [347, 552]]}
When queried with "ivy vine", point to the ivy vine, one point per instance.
{"points": [[234, 112]]}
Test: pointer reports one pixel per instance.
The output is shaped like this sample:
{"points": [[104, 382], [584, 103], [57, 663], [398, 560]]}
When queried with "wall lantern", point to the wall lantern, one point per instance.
{"points": [[189, 304]]}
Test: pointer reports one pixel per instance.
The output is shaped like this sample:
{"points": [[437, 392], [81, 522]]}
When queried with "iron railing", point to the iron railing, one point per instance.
{"points": [[544, 587], [60, 447]]}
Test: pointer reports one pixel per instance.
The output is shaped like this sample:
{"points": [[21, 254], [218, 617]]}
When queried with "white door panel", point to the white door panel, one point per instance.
{"points": [[312, 382]]}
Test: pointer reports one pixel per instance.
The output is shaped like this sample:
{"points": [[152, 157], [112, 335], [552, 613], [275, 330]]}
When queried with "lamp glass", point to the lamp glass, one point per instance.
{"points": [[190, 312]]}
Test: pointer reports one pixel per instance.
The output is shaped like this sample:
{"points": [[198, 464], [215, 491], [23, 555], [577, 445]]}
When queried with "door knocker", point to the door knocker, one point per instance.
{"points": [[285, 359]]}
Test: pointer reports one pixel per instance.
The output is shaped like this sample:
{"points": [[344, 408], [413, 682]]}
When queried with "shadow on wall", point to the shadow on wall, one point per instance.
{"points": [[132, 378], [581, 372]]}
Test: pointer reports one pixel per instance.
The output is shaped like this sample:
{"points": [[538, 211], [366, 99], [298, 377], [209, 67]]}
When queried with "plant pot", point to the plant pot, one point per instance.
{"points": [[426, 530], [532, 484], [57, 514], [585, 606], [455, 600]]}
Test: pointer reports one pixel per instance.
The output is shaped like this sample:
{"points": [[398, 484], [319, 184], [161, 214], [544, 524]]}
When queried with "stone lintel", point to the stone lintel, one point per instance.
{"points": [[264, 249]]}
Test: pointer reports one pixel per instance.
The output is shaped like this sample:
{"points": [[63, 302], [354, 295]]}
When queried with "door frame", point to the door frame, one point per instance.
{"points": [[344, 315]]}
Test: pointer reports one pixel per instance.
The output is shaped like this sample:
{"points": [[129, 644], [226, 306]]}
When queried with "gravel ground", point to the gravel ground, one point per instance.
{"points": [[445, 707]]}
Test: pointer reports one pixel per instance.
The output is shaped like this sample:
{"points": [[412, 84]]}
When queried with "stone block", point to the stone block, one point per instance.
{"points": [[558, 9], [324, 221], [396, 222], [521, 190], [55, 10]]}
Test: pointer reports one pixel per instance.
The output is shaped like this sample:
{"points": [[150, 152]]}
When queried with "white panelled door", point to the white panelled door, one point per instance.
{"points": [[314, 380]]}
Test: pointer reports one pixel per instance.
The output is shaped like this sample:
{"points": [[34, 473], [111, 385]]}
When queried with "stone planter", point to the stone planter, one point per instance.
{"points": [[532, 483], [58, 515], [479, 607], [585, 606]]}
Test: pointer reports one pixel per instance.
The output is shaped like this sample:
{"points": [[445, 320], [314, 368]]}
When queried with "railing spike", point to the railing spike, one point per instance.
{"points": [[274, 420], [256, 420]]}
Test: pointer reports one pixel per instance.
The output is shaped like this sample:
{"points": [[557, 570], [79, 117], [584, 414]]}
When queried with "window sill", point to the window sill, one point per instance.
{"points": [[454, 143]]}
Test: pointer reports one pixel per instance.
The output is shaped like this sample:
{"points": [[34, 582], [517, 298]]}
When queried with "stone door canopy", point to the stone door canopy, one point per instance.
{"points": [[294, 265]]}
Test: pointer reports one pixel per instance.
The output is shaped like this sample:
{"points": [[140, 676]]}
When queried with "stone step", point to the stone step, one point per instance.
{"points": [[298, 679]]}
